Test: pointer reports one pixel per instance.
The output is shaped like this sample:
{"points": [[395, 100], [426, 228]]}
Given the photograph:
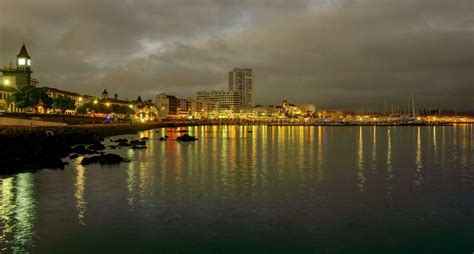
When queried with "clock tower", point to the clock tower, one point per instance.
{"points": [[23, 71]]}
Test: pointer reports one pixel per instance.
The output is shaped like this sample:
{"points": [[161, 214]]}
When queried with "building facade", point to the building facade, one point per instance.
{"points": [[167, 105], [7, 88], [225, 100], [307, 109], [241, 81]]}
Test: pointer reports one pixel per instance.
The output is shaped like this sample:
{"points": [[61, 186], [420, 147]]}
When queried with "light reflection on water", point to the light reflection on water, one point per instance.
{"points": [[236, 182]]}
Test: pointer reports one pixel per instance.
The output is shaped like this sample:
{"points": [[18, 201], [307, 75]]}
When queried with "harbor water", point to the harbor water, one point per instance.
{"points": [[255, 189]]}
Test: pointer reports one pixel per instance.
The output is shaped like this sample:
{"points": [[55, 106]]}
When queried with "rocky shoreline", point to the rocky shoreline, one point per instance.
{"points": [[30, 149]]}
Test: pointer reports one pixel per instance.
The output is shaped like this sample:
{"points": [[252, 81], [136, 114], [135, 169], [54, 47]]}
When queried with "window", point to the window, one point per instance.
{"points": [[21, 61]]}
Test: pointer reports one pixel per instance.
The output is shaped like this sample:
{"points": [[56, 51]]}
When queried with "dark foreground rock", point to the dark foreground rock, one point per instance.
{"points": [[80, 149], [96, 147], [30, 149], [104, 159], [137, 143], [186, 138]]}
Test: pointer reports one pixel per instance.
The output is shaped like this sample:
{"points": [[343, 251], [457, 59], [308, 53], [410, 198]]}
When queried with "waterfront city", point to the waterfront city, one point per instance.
{"points": [[237, 126]]}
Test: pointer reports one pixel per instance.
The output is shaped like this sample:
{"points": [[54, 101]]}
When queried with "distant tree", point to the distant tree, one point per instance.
{"points": [[82, 110], [64, 103], [31, 97]]}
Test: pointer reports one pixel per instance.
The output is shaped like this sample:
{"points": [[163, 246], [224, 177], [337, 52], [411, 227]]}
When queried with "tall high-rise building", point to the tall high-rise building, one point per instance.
{"points": [[22, 72], [241, 81]]}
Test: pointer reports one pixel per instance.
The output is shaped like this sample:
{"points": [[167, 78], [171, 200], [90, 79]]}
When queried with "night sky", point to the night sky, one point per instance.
{"points": [[335, 54]]}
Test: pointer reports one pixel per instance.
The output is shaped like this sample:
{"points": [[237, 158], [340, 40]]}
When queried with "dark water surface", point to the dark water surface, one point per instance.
{"points": [[272, 190]]}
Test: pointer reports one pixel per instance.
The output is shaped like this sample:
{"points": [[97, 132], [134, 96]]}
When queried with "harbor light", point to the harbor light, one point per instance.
{"points": [[107, 104], [130, 106], [6, 82], [96, 101], [80, 99]]}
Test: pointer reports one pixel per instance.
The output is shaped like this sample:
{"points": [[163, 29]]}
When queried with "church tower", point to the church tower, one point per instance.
{"points": [[22, 72]]}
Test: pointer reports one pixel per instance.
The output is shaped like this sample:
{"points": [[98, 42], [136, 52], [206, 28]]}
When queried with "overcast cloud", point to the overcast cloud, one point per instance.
{"points": [[333, 53]]}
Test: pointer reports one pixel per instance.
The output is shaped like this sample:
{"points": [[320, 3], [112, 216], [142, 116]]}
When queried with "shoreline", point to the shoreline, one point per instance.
{"points": [[35, 148]]}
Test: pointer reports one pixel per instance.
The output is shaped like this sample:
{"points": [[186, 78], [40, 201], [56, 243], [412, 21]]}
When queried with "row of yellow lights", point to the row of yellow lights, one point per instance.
{"points": [[106, 104]]}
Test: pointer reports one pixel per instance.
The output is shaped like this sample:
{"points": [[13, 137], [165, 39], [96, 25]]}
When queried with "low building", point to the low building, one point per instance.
{"points": [[203, 108], [80, 99], [291, 110], [7, 88], [145, 111], [307, 109], [227, 100], [330, 114]]}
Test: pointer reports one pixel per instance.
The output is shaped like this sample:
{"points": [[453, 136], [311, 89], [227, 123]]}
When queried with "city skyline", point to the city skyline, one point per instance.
{"points": [[310, 56]]}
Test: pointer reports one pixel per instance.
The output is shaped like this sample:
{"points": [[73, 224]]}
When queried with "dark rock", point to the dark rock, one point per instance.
{"points": [[163, 139], [139, 147], [81, 149], [186, 138], [183, 131], [96, 147], [104, 159], [137, 143], [119, 140], [123, 143], [73, 156], [145, 139]]}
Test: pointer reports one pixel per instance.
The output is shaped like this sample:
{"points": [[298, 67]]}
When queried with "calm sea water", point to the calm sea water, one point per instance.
{"points": [[271, 190]]}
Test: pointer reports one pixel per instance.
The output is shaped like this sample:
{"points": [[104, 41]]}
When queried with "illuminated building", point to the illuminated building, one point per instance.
{"points": [[241, 81], [200, 107], [7, 88], [291, 110], [22, 71], [183, 106], [145, 111], [167, 104], [226, 100], [80, 99], [307, 109]]}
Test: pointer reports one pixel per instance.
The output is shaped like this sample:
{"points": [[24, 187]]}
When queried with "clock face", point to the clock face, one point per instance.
{"points": [[21, 61], [29, 62]]}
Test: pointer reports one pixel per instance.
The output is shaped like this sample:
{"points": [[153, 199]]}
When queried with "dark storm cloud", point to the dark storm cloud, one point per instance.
{"points": [[332, 53]]}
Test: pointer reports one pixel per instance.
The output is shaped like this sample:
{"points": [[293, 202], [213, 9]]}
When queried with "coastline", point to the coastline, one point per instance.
{"points": [[34, 148]]}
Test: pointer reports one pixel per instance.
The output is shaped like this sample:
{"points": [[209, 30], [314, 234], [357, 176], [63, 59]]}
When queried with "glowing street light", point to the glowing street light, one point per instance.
{"points": [[6, 82], [96, 101], [107, 104]]}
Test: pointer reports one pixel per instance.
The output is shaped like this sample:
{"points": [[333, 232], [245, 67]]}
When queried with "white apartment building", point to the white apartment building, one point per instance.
{"points": [[241, 81]]}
